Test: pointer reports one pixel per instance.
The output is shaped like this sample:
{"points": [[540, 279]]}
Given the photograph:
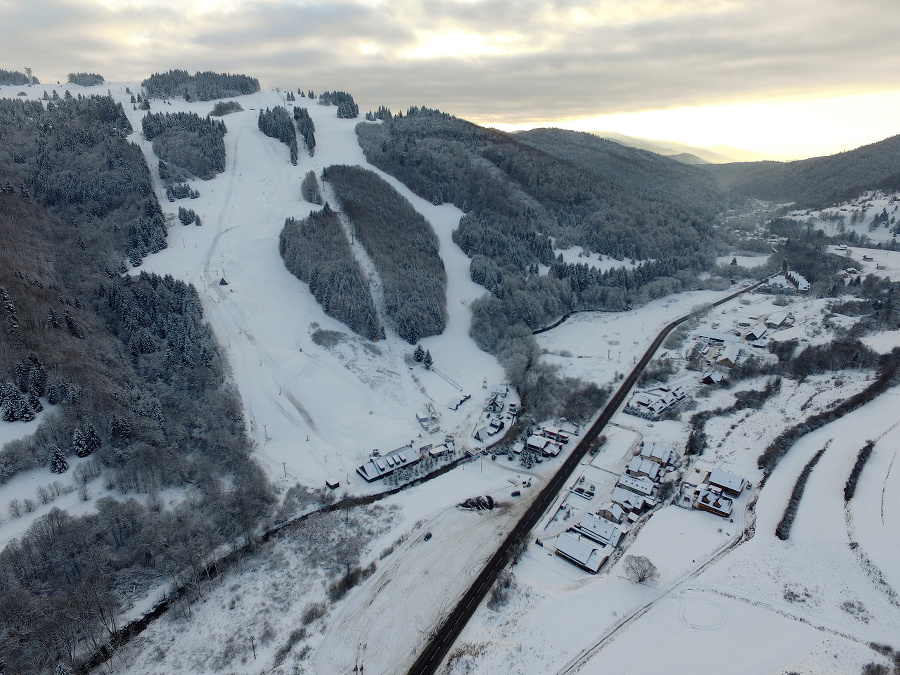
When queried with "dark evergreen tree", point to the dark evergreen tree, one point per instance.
{"points": [[58, 463], [79, 443], [428, 361], [419, 354]]}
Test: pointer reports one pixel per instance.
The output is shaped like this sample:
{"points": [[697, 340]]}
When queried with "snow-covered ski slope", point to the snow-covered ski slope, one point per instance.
{"points": [[315, 413]]}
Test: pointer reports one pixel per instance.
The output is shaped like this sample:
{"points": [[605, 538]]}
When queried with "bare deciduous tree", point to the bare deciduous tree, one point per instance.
{"points": [[640, 570]]}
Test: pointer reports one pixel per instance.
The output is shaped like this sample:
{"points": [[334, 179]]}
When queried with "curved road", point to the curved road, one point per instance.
{"points": [[445, 636]]}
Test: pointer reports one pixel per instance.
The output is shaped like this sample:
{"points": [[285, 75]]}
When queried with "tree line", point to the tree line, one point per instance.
{"points": [[316, 250], [201, 86], [187, 145], [276, 123], [403, 247]]}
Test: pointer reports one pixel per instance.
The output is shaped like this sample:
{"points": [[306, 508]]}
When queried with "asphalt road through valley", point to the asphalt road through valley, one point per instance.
{"points": [[442, 640]]}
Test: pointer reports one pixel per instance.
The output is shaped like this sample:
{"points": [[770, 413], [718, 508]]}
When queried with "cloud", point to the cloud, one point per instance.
{"points": [[487, 60]]}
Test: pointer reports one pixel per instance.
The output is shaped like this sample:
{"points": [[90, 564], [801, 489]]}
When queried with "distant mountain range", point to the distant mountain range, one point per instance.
{"points": [[688, 154]]}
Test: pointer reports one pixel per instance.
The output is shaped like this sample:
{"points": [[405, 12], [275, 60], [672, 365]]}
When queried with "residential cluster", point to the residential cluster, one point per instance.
{"points": [[711, 490], [590, 542]]}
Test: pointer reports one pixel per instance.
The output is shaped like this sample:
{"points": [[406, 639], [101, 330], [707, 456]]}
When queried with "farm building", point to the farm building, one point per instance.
{"points": [[728, 482], [599, 530], [716, 337], [581, 553], [458, 401], [379, 467], [714, 502]]}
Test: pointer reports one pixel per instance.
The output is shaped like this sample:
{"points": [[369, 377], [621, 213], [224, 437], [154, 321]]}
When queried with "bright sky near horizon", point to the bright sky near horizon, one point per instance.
{"points": [[782, 79]]}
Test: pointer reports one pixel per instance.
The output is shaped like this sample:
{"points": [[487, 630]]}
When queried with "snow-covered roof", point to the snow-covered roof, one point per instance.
{"points": [[716, 336], [656, 453], [640, 486], [600, 530], [538, 442], [379, 467], [725, 480], [627, 499], [720, 504], [639, 466], [730, 354], [614, 510], [758, 331], [581, 552]]}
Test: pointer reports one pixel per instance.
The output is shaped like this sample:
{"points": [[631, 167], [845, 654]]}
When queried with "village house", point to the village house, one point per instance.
{"points": [[729, 356], [611, 512], [757, 332], [656, 453], [493, 405], [639, 486], [714, 502], [729, 483], [581, 553], [537, 443], [645, 468], [628, 501], [599, 530]]}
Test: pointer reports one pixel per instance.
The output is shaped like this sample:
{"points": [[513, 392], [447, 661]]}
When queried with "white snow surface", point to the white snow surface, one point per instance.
{"points": [[723, 603], [314, 413]]}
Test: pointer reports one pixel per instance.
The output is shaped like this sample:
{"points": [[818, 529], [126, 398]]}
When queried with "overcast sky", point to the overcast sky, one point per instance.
{"points": [[780, 77]]}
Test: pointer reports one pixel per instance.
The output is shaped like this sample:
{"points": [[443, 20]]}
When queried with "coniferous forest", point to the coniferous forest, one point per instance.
{"points": [[402, 246], [316, 250], [187, 145], [276, 123], [201, 86], [133, 374]]}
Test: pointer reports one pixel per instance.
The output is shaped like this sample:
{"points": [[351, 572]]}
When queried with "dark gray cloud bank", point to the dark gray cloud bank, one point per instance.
{"points": [[491, 61]]}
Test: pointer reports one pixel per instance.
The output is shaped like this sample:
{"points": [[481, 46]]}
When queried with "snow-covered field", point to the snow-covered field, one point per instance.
{"points": [[731, 597], [858, 216]]}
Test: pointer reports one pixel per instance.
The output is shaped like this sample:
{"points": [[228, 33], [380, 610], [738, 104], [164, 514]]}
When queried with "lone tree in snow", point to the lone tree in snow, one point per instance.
{"points": [[639, 569]]}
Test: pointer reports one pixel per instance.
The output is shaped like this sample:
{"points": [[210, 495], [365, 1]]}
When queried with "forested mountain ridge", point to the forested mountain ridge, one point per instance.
{"points": [[648, 174], [134, 375], [817, 182]]}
